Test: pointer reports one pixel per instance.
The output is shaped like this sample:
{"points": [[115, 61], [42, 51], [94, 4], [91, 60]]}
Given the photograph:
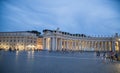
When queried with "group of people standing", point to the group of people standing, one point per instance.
{"points": [[110, 55]]}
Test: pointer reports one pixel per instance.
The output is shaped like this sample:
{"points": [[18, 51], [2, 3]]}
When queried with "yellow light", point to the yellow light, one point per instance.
{"points": [[119, 39], [31, 46], [48, 43], [17, 52]]}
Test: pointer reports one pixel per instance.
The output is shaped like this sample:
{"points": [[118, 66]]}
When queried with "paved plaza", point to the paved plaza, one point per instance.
{"points": [[55, 62]]}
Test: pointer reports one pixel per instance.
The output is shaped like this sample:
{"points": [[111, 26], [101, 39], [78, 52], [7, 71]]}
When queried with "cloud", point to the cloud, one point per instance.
{"points": [[78, 16]]}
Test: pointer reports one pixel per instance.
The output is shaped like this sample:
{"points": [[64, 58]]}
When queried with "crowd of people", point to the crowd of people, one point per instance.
{"points": [[111, 55]]}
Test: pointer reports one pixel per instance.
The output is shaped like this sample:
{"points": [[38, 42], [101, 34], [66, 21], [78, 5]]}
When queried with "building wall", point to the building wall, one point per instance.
{"points": [[40, 43], [58, 40], [18, 40]]}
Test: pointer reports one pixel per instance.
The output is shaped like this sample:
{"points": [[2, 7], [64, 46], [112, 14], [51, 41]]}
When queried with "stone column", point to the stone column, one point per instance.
{"points": [[61, 44], [56, 48], [75, 45], [92, 44], [72, 45], [113, 45], [64, 44], [119, 45], [79, 45], [44, 43], [83, 45], [98, 44], [102, 45], [110, 48], [53, 43], [67, 44], [107, 45]]}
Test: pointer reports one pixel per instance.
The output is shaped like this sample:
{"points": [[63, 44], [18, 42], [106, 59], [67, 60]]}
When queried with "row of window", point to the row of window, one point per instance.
{"points": [[9, 44], [17, 41], [15, 34], [16, 38], [14, 44]]}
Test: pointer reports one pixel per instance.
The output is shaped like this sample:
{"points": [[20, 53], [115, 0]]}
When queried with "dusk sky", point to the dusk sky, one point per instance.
{"points": [[92, 17]]}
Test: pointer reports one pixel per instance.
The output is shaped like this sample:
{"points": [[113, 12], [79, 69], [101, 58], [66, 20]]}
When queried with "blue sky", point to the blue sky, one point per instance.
{"points": [[90, 17]]}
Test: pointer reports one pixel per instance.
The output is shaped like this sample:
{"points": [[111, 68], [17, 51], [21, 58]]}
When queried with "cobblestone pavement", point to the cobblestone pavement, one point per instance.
{"points": [[55, 62]]}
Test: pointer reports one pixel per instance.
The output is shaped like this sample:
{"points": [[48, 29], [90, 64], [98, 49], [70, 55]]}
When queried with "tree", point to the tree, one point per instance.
{"points": [[35, 32]]}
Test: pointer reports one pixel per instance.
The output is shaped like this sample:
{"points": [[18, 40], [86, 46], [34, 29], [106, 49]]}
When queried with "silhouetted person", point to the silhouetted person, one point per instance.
{"points": [[98, 54], [104, 56], [116, 56], [111, 56]]}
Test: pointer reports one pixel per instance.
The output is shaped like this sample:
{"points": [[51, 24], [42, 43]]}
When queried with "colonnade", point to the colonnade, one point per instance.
{"points": [[62, 43]]}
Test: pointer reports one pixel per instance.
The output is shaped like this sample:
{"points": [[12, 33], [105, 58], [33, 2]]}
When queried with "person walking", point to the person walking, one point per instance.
{"points": [[111, 56], [116, 56], [104, 57], [97, 55]]}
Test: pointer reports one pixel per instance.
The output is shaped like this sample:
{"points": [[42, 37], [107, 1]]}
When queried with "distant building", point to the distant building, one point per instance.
{"points": [[23, 40], [40, 43], [58, 40]]}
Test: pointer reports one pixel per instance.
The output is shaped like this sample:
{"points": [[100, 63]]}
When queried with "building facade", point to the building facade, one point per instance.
{"points": [[23, 40], [62, 41], [56, 40]]}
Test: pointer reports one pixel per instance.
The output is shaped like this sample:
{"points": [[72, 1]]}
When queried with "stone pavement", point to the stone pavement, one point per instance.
{"points": [[55, 62]]}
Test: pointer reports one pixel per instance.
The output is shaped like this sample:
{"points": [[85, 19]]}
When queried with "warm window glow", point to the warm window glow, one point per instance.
{"points": [[119, 39], [116, 46], [48, 43]]}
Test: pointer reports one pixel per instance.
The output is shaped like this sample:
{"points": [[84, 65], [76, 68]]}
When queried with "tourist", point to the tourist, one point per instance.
{"points": [[98, 54], [104, 57], [116, 56], [111, 56]]}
